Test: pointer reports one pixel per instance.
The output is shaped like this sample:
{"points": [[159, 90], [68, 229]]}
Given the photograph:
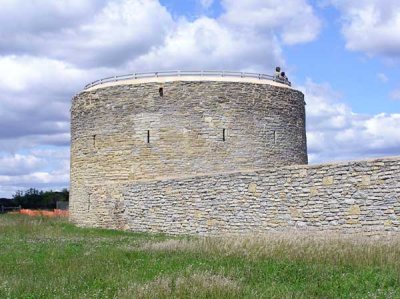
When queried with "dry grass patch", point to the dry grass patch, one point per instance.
{"points": [[188, 285], [172, 245], [331, 248]]}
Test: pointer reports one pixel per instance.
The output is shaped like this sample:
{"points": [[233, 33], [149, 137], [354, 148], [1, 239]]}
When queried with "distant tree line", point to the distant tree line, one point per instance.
{"points": [[36, 199]]}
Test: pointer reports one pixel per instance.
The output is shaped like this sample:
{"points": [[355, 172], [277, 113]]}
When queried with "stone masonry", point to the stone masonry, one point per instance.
{"points": [[359, 196], [210, 157]]}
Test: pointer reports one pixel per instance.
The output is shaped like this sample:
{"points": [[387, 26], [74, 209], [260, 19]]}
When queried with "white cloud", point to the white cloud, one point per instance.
{"points": [[335, 132], [17, 164], [371, 26], [123, 29], [132, 33], [21, 73], [247, 36], [45, 16], [40, 180], [294, 21], [115, 33], [207, 44], [35, 95], [42, 168]]}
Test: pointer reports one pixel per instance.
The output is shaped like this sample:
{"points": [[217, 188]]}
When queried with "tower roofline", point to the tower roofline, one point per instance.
{"points": [[169, 76]]}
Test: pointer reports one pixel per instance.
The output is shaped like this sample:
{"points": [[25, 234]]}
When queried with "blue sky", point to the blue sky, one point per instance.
{"points": [[325, 59], [352, 73], [344, 56]]}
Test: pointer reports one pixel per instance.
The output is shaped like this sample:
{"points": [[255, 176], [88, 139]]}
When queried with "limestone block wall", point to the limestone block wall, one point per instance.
{"points": [[362, 196], [128, 133]]}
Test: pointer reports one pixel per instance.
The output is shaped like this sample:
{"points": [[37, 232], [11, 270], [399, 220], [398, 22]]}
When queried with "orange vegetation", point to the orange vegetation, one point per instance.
{"points": [[54, 213]]}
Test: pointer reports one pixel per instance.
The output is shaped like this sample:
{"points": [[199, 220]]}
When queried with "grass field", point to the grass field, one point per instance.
{"points": [[50, 258]]}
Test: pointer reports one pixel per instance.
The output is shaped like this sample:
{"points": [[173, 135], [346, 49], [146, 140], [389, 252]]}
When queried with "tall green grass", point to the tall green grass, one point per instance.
{"points": [[50, 258]]}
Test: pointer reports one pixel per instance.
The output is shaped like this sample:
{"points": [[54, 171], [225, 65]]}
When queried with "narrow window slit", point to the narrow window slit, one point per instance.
{"points": [[223, 134], [161, 91], [274, 137], [148, 136], [94, 141], [89, 203]]}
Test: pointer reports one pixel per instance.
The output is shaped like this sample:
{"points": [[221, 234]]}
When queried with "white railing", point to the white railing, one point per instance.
{"points": [[186, 74]]}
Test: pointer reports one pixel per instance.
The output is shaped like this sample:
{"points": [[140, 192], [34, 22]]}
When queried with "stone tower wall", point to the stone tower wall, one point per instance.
{"points": [[129, 133]]}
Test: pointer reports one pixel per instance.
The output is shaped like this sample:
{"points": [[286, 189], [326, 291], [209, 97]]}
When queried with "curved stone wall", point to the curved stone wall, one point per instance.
{"points": [[134, 132], [348, 197]]}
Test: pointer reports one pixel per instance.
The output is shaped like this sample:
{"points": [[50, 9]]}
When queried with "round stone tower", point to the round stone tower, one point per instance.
{"points": [[156, 126]]}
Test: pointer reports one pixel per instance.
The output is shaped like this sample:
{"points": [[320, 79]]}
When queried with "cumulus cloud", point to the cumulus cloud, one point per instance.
{"points": [[112, 34], [335, 132], [293, 21], [247, 36], [122, 30], [18, 164], [371, 26], [38, 74], [39, 168], [207, 44], [45, 16], [34, 96], [42, 180]]}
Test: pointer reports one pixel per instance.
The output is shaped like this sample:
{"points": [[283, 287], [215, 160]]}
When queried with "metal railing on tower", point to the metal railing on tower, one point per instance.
{"points": [[187, 74]]}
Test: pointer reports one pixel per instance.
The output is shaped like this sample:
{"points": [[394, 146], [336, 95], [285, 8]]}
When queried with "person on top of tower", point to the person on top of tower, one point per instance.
{"points": [[277, 72], [283, 77]]}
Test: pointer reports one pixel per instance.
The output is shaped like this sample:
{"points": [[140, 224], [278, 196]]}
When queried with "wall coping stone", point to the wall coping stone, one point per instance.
{"points": [[263, 170]]}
